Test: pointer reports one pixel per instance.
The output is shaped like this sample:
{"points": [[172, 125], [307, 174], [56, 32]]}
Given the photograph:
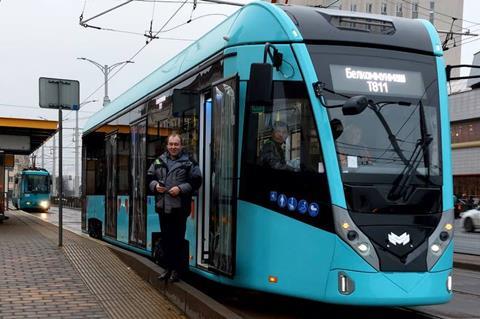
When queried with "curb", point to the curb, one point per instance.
{"points": [[193, 302], [465, 261]]}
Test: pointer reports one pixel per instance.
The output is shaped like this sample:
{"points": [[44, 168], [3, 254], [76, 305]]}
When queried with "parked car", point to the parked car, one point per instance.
{"points": [[471, 219], [460, 206]]}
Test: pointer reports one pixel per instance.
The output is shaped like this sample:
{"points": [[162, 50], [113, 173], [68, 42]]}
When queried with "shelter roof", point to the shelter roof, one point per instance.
{"points": [[24, 136]]}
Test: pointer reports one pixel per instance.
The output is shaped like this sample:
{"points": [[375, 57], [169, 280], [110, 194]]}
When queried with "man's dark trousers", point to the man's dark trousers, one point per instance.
{"points": [[173, 226]]}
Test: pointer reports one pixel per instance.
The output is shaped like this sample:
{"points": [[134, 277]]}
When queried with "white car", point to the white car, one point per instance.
{"points": [[471, 219]]}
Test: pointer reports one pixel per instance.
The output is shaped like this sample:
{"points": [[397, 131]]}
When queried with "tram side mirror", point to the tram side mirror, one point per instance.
{"points": [[337, 128], [260, 85], [184, 100], [355, 105]]}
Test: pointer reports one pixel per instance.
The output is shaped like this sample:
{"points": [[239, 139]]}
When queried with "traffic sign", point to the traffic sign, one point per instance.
{"points": [[59, 93]]}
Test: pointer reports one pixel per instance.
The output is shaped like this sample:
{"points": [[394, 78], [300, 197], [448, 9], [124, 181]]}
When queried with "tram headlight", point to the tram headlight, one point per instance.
{"points": [[435, 248], [440, 239], [449, 283], [44, 204], [354, 237], [363, 248]]}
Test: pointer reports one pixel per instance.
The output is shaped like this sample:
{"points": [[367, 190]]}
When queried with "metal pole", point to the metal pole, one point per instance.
{"points": [[54, 191], [77, 161], [106, 99], [60, 171]]}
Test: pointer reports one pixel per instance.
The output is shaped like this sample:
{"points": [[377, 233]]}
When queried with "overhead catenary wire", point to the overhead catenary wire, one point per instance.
{"points": [[156, 34], [442, 14], [140, 50]]}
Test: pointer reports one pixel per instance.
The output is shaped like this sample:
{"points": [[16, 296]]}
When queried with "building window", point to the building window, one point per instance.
{"points": [[467, 131], [369, 8], [415, 10], [384, 8], [353, 7], [399, 10]]}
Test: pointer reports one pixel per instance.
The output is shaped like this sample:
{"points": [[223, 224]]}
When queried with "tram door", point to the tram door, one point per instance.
{"points": [[137, 219], [111, 202], [220, 183]]}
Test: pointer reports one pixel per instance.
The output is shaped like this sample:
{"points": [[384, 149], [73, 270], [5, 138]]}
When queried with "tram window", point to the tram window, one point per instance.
{"points": [[123, 151], [282, 157], [163, 121], [286, 136], [95, 175], [37, 184], [281, 149]]}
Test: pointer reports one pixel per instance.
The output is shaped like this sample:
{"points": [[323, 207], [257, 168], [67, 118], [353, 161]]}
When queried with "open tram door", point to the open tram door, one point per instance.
{"points": [[218, 160], [110, 200]]}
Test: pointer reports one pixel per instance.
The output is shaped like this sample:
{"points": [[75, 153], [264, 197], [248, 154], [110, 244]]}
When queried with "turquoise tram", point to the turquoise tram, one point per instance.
{"points": [[360, 210], [32, 190]]}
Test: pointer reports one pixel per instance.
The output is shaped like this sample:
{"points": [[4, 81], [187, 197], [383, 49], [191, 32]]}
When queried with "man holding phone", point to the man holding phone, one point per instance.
{"points": [[174, 177]]}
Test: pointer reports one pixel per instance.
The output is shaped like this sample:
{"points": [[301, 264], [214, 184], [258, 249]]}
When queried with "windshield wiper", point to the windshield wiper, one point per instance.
{"points": [[424, 134], [376, 108], [402, 182]]}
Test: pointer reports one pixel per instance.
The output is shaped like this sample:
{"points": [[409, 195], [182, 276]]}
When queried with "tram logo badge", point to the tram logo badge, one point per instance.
{"points": [[402, 239]]}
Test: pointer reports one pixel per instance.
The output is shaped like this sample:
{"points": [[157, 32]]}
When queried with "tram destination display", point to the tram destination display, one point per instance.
{"points": [[376, 81]]}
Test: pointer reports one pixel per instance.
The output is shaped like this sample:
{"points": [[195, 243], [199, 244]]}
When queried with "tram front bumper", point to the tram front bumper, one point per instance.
{"points": [[388, 289]]}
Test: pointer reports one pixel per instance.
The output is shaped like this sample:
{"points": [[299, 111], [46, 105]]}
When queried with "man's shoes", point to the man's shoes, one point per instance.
{"points": [[164, 275], [174, 277]]}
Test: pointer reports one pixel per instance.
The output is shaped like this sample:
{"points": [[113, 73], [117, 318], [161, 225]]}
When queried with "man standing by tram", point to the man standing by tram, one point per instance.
{"points": [[174, 177]]}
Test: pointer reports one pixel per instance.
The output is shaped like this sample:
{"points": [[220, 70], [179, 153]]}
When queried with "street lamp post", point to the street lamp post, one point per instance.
{"points": [[105, 70]]}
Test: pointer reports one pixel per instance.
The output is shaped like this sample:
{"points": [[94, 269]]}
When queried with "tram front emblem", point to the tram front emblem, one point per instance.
{"points": [[402, 239]]}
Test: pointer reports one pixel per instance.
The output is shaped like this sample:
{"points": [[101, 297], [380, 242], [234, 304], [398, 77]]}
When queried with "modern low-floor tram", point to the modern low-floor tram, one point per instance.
{"points": [[358, 208]]}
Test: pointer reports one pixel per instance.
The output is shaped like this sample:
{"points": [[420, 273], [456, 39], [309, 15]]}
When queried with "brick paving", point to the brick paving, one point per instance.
{"points": [[84, 279]]}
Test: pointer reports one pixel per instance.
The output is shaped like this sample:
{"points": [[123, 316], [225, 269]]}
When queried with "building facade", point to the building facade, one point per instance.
{"points": [[465, 135], [21, 162], [438, 12]]}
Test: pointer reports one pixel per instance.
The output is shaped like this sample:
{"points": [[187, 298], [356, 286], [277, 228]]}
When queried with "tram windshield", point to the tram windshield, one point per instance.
{"points": [[37, 184], [396, 137]]}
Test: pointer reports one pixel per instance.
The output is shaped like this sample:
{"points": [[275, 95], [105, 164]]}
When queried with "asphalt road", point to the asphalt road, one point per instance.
{"points": [[466, 243], [71, 218]]}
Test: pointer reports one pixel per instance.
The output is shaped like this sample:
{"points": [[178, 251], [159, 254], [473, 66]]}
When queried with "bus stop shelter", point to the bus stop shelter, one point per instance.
{"points": [[20, 136]]}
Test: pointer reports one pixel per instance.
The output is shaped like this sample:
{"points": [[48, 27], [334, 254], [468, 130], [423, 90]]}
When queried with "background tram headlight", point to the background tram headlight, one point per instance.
{"points": [[44, 204]]}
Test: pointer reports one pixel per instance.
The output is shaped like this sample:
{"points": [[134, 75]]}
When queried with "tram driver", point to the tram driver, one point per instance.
{"points": [[272, 153]]}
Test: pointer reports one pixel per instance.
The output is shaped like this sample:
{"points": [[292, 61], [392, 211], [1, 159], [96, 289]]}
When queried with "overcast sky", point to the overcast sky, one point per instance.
{"points": [[42, 38]]}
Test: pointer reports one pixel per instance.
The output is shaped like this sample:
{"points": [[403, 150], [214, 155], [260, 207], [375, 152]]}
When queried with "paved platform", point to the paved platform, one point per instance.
{"points": [[82, 279]]}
